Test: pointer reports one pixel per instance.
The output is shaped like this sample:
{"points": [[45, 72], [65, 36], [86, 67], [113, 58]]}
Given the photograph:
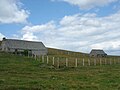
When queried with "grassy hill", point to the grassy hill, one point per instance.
{"points": [[23, 73], [65, 53]]}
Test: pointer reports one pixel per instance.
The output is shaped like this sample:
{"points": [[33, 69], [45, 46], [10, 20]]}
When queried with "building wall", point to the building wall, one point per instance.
{"points": [[4, 46], [97, 55], [39, 52]]}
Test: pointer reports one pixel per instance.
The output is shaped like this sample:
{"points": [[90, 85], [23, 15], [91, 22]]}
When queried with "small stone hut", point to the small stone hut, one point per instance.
{"points": [[97, 53]]}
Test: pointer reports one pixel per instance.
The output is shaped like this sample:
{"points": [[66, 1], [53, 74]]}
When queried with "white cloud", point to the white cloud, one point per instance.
{"points": [[79, 33], [39, 28], [11, 12], [1, 36], [29, 36], [88, 4]]}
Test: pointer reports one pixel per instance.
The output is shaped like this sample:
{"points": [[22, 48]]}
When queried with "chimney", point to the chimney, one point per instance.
{"points": [[4, 38]]}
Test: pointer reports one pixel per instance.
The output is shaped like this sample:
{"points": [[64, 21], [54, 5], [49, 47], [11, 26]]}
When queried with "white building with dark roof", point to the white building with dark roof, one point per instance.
{"points": [[97, 53], [22, 46]]}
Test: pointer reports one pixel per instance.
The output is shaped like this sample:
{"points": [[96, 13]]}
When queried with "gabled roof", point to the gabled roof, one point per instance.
{"points": [[22, 44], [97, 51]]}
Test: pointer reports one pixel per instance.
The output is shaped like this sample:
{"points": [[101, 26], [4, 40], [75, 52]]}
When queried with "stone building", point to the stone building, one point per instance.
{"points": [[97, 53], [23, 47]]}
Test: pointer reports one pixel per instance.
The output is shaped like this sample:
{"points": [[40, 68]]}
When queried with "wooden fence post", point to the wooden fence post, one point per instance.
{"points": [[118, 60], [89, 62], [47, 59], [114, 61], [28, 55], [39, 57], [43, 59], [58, 63], [100, 62], [66, 62], [83, 62], [76, 62], [53, 61], [95, 62], [110, 62], [35, 57], [105, 61]]}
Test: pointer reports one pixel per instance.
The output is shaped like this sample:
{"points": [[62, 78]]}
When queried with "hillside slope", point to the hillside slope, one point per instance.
{"points": [[65, 53], [23, 73]]}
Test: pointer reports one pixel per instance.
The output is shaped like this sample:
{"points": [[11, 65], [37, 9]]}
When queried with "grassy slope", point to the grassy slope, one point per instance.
{"points": [[27, 74], [65, 53]]}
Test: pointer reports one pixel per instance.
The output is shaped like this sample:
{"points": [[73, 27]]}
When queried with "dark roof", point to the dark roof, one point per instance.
{"points": [[97, 51], [22, 44]]}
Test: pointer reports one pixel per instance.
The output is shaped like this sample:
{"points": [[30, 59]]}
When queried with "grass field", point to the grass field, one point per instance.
{"points": [[23, 73]]}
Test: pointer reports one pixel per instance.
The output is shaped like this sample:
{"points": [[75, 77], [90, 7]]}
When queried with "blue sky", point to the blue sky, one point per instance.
{"points": [[77, 25]]}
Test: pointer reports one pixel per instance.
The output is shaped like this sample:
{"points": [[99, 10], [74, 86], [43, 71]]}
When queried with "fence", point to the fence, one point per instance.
{"points": [[76, 62]]}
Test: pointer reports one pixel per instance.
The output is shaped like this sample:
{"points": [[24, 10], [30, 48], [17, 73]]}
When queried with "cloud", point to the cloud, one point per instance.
{"points": [[88, 4], [1, 36], [11, 12], [79, 32], [39, 28], [29, 36], [30, 31]]}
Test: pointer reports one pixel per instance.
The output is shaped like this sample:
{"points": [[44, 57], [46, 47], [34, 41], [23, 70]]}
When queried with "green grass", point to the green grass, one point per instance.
{"points": [[23, 73]]}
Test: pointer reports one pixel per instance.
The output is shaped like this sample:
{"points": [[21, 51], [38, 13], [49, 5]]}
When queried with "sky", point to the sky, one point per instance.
{"points": [[75, 25]]}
